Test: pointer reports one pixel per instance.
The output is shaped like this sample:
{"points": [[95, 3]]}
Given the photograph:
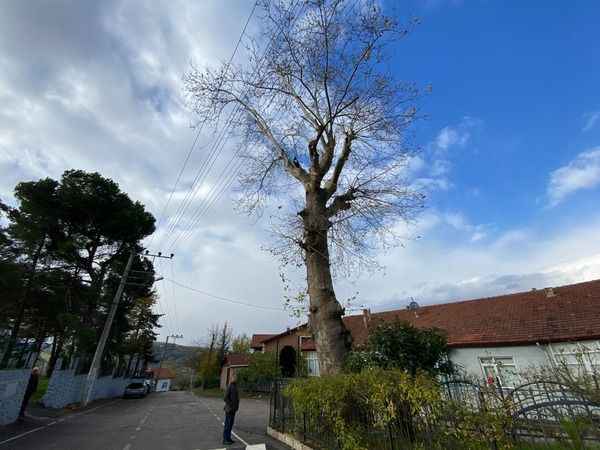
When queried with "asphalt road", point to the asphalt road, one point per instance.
{"points": [[161, 421]]}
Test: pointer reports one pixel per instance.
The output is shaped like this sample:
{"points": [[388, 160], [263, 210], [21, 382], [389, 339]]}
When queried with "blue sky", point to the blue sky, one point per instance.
{"points": [[510, 155], [529, 73]]}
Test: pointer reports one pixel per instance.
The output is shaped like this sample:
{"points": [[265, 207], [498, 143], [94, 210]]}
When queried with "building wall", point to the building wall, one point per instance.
{"points": [[163, 385], [525, 358], [65, 388], [290, 339], [12, 390]]}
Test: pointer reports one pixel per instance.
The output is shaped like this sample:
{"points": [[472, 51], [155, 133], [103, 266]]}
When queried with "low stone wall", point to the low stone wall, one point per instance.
{"points": [[66, 388], [287, 439], [12, 390]]}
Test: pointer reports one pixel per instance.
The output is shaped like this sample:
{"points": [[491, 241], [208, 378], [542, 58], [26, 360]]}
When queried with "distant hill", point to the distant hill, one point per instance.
{"points": [[175, 355]]}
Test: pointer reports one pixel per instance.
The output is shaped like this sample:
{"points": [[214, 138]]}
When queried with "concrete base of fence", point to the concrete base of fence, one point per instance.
{"points": [[12, 390], [287, 439], [65, 388]]}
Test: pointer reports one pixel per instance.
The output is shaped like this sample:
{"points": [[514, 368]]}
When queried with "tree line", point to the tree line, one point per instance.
{"points": [[63, 248]]}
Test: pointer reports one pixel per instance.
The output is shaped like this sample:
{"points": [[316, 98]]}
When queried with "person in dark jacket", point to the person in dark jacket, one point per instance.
{"points": [[232, 404], [32, 386]]}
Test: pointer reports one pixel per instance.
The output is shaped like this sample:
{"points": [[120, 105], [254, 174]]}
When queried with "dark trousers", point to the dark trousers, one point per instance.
{"points": [[229, 419], [24, 405]]}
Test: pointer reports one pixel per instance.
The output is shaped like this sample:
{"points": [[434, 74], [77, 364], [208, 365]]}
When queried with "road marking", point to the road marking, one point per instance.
{"points": [[19, 436], [223, 423], [248, 447]]}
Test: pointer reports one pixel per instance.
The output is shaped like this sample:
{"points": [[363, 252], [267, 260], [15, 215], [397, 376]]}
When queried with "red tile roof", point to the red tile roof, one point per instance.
{"points": [[258, 339], [572, 313], [162, 373], [237, 359]]}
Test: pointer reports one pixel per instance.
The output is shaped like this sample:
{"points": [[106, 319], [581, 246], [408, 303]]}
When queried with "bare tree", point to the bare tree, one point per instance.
{"points": [[322, 124], [225, 337], [206, 362]]}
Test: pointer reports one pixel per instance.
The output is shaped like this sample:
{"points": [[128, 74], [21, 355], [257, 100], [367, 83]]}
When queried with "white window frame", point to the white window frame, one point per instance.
{"points": [[494, 364], [582, 354], [312, 357]]}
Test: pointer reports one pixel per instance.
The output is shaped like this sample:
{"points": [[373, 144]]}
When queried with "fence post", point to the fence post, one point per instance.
{"points": [[304, 426]]}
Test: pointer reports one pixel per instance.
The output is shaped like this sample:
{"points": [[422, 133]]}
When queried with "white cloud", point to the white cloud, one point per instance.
{"points": [[581, 173], [434, 270], [457, 135], [449, 137], [590, 120], [434, 173], [98, 87]]}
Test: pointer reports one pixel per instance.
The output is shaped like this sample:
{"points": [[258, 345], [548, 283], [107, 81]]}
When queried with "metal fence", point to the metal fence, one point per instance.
{"points": [[542, 413]]}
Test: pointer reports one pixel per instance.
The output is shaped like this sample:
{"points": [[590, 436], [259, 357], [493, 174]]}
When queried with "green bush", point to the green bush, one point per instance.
{"points": [[361, 411], [400, 345], [360, 408], [262, 368]]}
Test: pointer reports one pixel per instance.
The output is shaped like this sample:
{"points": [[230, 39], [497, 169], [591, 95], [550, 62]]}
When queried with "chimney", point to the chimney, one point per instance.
{"points": [[550, 292], [366, 317]]}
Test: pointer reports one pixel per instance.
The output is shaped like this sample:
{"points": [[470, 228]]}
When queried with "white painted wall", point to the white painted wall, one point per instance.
{"points": [[163, 385], [525, 358]]}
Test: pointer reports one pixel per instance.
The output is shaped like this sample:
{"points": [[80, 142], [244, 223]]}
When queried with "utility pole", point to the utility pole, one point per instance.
{"points": [[96, 362], [174, 336]]}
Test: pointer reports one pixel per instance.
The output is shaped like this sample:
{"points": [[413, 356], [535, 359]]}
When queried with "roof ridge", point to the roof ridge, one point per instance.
{"points": [[495, 297]]}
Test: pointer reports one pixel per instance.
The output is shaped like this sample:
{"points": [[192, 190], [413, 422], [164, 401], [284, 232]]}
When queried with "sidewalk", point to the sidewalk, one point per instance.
{"points": [[36, 416]]}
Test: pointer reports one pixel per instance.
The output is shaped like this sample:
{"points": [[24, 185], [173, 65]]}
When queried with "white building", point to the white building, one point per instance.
{"points": [[162, 378], [495, 339]]}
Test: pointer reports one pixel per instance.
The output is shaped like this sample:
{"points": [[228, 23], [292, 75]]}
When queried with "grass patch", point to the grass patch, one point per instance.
{"points": [[41, 389]]}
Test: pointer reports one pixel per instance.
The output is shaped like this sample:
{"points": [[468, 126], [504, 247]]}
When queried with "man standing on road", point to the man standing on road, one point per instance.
{"points": [[232, 404], [32, 386]]}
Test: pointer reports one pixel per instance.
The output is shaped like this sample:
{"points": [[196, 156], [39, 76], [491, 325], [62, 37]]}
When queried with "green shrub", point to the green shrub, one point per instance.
{"points": [[400, 345], [262, 368], [359, 408]]}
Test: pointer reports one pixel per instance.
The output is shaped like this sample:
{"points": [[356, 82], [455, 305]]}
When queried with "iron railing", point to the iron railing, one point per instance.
{"points": [[535, 412]]}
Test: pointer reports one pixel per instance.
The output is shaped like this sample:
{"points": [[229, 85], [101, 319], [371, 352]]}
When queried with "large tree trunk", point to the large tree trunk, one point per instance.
{"points": [[57, 346], [325, 319]]}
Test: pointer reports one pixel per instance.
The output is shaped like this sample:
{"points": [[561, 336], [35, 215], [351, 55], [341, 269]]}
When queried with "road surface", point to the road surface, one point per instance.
{"points": [[161, 421]]}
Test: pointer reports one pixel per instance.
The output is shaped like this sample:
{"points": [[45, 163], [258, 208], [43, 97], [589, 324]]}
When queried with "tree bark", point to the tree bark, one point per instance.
{"points": [[14, 332], [57, 346], [39, 341], [325, 319]]}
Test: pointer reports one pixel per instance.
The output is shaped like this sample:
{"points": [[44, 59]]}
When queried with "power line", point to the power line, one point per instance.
{"points": [[189, 154], [225, 299], [213, 196], [218, 190], [203, 171]]}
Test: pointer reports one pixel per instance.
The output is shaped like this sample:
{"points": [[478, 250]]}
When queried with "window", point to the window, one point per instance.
{"points": [[312, 362], [579, 358], [499, 370]]}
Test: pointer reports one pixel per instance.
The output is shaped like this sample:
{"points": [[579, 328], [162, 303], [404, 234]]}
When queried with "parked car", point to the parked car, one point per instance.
{"points": [[135, 390]]}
